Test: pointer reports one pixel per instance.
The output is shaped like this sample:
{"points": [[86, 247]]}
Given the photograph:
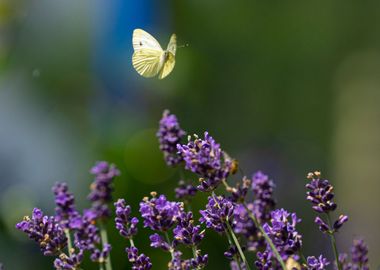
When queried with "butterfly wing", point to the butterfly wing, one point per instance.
{"points": [[172, 45], [148, 62], [167, 66], [170, 58], [143, 40]]}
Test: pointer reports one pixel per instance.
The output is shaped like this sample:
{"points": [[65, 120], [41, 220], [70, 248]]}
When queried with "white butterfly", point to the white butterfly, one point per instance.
{"points": [[149, 59]]}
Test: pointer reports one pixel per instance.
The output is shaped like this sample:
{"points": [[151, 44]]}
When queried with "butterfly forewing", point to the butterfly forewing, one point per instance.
{"points": [[148, 62], [172, 45], [143, 40]]}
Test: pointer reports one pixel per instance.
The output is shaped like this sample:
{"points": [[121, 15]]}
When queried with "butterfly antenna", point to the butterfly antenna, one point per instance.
{"points": [[183, 46]]}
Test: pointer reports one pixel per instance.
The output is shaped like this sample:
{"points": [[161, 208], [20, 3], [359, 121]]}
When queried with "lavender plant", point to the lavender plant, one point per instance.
{"points": [[244, 213]]}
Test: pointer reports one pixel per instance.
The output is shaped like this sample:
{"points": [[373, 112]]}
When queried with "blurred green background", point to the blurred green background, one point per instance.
{"points": [[285, 86]]}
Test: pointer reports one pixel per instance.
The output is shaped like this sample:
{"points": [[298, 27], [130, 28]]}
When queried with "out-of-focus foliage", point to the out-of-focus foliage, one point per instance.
{"points": [[286, 87]]}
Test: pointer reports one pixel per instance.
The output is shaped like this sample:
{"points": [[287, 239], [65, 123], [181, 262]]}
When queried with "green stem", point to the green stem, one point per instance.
{"points": [[131, 242], [304, 261], [168, 240], [333, 242], [231, 232], [104, 237], [69, 244], [267, 238], [101, 266]]}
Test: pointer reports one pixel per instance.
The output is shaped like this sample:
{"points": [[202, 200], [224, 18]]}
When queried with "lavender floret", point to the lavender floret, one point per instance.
{"points": [[283, 233], [101, 188], [139, 261], [45, 230], [205, 158], [219, 210], [158, 213], [125, 224], [169, 135], [317, 263]]}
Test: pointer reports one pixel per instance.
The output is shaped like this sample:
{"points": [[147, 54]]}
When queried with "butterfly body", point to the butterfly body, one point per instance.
{"points": [[149, 59]]}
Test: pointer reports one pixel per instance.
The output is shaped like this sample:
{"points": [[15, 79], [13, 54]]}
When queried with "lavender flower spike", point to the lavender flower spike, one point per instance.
{"points": [[169, 135], [65, 211], [218, 211], [359, 253], [45, 231], [158, 213], [205, 158], [139, 262], [319, 263], [283, 232], [125, 224], [101, 188]]}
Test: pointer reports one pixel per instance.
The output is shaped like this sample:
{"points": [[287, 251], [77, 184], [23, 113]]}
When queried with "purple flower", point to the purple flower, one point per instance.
{"points": [[235, 265], [139, 262], [359, 254], [323, 226], [158, 213], [63, 262], [264, 202], [177, 263], [44, 230], [101, 256], [185, 232], [319, 263], [264, 260], [243, 225], [157, 241], [217, 213], [339, 222], [125, 224], [86, 234], [184, 191], [101, 188], [320, 193], [169, 135], [282, 232], [205, 158], [65, 211], [239, 192]]}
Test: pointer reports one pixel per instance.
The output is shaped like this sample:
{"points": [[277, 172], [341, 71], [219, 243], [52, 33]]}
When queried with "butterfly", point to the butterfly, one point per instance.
{"points": [[149, 59]]}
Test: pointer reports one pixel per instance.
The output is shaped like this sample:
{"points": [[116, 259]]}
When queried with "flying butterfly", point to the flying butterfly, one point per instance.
{"points": [[149, 59]]}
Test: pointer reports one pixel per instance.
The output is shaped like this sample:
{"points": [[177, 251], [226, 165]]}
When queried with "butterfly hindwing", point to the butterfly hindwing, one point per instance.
{"points": [[168, 65], [148, 62]]}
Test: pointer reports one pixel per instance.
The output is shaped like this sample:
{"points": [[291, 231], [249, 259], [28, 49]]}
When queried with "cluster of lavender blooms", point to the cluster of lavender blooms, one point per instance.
{"points": [[245, 213], [69, 234]]}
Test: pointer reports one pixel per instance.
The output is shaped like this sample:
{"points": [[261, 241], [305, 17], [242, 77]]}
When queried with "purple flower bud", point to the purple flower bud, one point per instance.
{"points": [[320, 193], [339, 223], [157, 241], [44, 230], [125, 224], [264, 202], [65, 211], [158, 213], [282, 232], [234, 265], [185, 232], [184, 191], [359, 253], [323, 227], [205, 158], [264, 260], [139, 262], [319, 263], [63, 262], [169, 135], [101, 188], [218, 211]]}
